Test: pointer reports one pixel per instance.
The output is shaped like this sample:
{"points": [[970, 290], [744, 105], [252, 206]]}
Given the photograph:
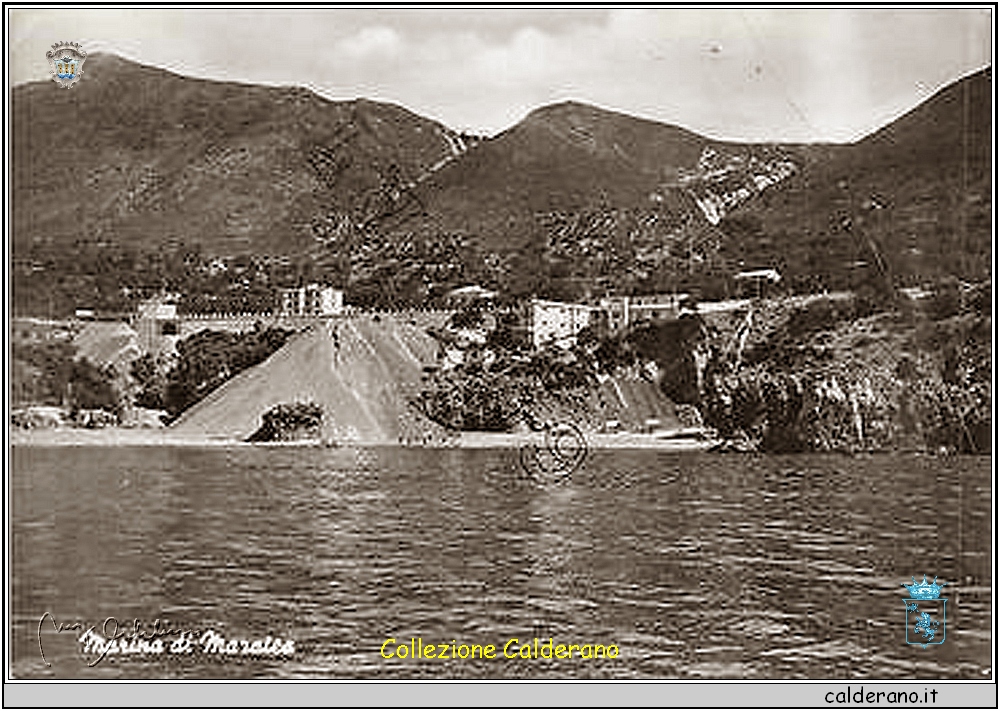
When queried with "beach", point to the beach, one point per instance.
{"points": [[121, 436]]}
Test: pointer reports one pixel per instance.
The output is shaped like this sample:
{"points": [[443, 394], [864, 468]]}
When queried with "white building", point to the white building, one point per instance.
{"points": [[623, 311], [755, 281], [557, 323], [310, 300], [156, 323]]}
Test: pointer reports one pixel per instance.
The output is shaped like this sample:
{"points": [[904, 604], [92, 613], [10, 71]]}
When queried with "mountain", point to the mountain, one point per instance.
{"points": [[572, 201], [910, 201], [566, 156], [142, 155]]}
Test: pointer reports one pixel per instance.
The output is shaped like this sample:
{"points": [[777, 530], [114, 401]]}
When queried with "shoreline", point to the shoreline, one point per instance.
{"points": [[124, 437]]}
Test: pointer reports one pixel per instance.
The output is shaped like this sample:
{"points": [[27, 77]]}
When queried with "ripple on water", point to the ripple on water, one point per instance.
{"points": [[695, 566]]}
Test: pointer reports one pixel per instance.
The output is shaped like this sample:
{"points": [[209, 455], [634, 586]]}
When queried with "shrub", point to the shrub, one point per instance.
{"points": [[288, 422], [819, 315], [946, 300]]}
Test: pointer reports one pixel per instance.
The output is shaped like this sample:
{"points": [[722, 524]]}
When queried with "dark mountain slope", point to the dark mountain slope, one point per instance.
{"points": [[595, 199], [569, 153], [565, 158], [916, 193], [139, 154]]}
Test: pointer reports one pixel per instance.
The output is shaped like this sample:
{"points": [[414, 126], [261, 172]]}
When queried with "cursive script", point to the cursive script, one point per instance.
{"points": [[113, 633], [136, 638], [61, 627]]}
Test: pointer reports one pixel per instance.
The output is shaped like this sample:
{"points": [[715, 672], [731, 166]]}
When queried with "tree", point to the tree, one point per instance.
{"points": [[91, 388], [152, 382], [209, 358]]}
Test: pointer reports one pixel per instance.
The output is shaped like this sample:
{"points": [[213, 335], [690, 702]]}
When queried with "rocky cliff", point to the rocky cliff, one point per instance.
{"points": [[826, 375]]}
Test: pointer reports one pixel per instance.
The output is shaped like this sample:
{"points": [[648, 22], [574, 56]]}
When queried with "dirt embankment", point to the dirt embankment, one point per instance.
{"points": [[359, 370], [367, 373]]}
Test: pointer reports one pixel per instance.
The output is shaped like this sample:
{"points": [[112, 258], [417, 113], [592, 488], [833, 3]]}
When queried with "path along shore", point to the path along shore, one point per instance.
{"points": [[124, 437]]}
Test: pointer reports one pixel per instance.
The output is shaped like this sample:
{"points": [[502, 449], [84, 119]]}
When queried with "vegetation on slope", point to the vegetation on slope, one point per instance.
{"points": [[915, 196], [139, 155], [289, 422], [502, 384], [204, 361], [51, 374], [836, 374], [112, 195]]}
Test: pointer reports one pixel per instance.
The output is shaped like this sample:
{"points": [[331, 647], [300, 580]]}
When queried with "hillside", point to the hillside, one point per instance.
{"points": [[573, 201], [908, 203], [823, 373], [562, 156], [141, 155], [568, 157], [918, 191], [368, 376]]}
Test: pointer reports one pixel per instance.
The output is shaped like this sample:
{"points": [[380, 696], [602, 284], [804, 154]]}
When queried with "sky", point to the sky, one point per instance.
{"points": [[816, 74]]}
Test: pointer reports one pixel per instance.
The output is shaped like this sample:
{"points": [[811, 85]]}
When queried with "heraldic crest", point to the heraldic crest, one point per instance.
{"points": [[66, 63], [926, 613]]}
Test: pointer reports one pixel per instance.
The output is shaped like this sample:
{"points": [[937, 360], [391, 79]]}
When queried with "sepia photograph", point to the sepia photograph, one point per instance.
{"points": [[499, 344]]}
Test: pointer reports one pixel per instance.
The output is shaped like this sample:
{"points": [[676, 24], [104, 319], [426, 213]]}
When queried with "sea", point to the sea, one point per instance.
{"points": [[248, 562]]}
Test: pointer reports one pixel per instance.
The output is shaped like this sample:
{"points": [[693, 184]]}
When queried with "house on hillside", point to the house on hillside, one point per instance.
{"points": [[310, 300], [657, 307], [156, 323], [558, 323], [624, 311], [756, 282]]}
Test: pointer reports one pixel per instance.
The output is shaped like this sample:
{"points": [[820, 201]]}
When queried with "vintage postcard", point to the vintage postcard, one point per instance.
{"points": [[498, 344]]}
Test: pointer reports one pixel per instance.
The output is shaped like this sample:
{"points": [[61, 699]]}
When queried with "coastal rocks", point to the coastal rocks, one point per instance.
{"points": [[829, 412], [836, 374], [949, 417], [802, 412], [38, 417], [680, 353]]}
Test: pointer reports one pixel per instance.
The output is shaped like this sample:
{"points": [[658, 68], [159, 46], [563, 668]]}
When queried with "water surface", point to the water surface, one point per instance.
{"points": [[694, 565]]}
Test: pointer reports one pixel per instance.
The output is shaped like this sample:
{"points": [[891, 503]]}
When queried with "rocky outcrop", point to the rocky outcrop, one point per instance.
{"points": [[290, 422], [720, 183], [786, 412], [866, 384]]}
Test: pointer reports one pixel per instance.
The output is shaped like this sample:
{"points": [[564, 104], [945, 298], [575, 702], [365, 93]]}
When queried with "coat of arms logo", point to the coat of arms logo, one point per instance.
{"points": [[926, 613], [66, 62]]}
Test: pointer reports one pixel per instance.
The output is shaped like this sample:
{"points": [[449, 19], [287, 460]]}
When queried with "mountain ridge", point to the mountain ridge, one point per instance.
{"points": [[145, 156], [918, 191], [201, 159]]}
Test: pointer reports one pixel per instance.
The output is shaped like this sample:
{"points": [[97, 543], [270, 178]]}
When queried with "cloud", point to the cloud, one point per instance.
{"points": [[371, 44]]}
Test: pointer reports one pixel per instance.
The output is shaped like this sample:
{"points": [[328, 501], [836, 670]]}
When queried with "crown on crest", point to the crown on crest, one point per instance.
{"points": [[924, 590], [64, 46]]}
